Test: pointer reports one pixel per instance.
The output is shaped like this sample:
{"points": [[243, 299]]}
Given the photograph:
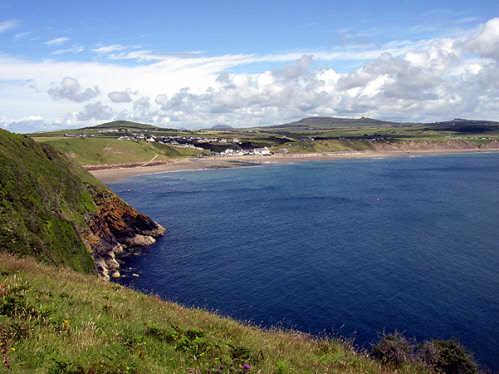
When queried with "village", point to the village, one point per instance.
{"points": [[232, 147]]}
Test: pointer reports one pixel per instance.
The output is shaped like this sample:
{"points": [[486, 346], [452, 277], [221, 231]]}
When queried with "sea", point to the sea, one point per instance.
{"points": [[349, 248]]}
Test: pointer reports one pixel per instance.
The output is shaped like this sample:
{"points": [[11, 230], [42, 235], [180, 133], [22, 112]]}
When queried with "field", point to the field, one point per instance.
{"points": [[99, 145]]}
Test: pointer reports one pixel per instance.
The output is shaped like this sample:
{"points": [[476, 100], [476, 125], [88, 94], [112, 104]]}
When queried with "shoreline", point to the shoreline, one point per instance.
{"points": [[111, 173]]}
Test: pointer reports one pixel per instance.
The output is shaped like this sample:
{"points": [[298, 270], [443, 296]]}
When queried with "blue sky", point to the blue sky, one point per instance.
{"points": [[196, 64]]}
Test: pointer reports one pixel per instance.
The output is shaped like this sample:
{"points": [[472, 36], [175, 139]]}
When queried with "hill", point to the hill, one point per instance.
{"points": [[58, 321], [89, 151], [124, 125], [140, 144], [55, 211], [329, 122], [222, 127]]}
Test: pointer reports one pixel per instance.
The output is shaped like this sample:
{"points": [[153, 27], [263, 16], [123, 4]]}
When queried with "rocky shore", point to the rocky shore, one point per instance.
{"points": [[115, 230]]}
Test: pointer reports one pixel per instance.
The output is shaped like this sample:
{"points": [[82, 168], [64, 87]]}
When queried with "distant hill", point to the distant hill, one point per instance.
{"points": [[465, 126], [222, 127], [124, 125], [460, 121], [328, 122]]}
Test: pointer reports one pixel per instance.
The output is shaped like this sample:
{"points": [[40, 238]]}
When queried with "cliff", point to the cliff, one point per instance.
{"points": [[115, 229], [53, 210]]}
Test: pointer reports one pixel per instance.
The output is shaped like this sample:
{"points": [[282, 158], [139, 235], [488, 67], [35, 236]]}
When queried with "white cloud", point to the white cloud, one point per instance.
{"points": [[26, 124], [76, 48], [8, 25], [96, 111], [120, 97], [427, 80], [56, 42], [486, 44], [109, 49], [70, 89]]}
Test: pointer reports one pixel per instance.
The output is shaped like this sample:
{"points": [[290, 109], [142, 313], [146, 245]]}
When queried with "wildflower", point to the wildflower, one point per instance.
{"points": [[13, 349], [247, 366]]}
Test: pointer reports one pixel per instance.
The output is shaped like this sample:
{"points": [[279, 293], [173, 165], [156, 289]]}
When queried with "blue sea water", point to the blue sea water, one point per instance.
{"points": [[349, 247]]}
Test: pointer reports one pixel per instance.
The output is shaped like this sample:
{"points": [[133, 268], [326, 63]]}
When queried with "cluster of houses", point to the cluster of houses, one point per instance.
{"points": [[241, 152], [376, 137], [183, 142], [190, 142]]}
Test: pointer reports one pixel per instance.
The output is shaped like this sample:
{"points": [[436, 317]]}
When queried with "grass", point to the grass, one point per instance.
{"points": [[43, 201], [55, 320], [104, 151]]}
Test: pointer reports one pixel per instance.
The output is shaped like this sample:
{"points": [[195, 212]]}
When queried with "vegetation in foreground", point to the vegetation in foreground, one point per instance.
{"points": [[55, 320]]}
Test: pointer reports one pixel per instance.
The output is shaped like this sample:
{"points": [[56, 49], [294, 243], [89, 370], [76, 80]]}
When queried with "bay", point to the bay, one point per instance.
{"points": [[348, 247]]}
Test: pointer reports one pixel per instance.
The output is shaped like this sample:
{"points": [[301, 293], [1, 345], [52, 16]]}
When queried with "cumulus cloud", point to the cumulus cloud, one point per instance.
{"points": [[486, 44], [418, 85], [120, 97], [96, 111], [70, 89], [26, 124], [429, 80]]}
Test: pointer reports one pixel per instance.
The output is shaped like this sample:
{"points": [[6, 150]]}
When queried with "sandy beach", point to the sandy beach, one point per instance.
{"points": [[111, 173]]}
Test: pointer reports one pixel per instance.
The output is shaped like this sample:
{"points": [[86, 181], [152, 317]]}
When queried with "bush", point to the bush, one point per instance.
{"points": [[446, 356], [393, 349]]}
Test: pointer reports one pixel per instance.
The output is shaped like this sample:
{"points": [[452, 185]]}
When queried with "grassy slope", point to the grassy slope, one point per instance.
{"points": [[101, 151], [42, 203], [351, 135], [59, 321]]}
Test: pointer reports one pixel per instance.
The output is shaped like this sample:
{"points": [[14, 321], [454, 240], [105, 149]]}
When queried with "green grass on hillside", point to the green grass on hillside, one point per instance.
{"points": [[58, 321], [42, 203], [105, 151]]}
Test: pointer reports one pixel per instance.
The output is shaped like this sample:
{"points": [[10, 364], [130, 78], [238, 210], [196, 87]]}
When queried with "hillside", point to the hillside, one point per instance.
{"points": [[105, 151], [58, 223], [329, 122], [130, 144], [53, 210], [58, 321]]}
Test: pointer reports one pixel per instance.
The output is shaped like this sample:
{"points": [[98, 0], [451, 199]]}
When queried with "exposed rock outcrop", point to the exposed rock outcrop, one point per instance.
{"points": [[115, 230]]}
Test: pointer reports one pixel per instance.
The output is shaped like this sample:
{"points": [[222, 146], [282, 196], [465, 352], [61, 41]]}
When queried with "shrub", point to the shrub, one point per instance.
{"points": [[446, 356], [393, 349]]}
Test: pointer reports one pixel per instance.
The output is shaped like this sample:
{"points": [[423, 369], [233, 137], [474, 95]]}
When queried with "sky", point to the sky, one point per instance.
{"points": [[196, 64]]}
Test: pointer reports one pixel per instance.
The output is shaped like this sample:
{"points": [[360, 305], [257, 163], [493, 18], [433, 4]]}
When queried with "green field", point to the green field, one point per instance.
{"points": [[99, 145], [103, 150]]}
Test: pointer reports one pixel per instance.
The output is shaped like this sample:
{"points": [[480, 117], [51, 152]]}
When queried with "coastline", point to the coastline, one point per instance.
{"points": [[109, 174]]}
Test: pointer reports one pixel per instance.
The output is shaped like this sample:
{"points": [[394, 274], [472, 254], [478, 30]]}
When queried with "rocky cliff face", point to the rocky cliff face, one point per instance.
{"points": [[115, 230]]}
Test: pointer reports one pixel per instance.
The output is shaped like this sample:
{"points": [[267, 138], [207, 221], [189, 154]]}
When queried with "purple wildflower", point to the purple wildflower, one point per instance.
{"points": [[247, 366]]}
